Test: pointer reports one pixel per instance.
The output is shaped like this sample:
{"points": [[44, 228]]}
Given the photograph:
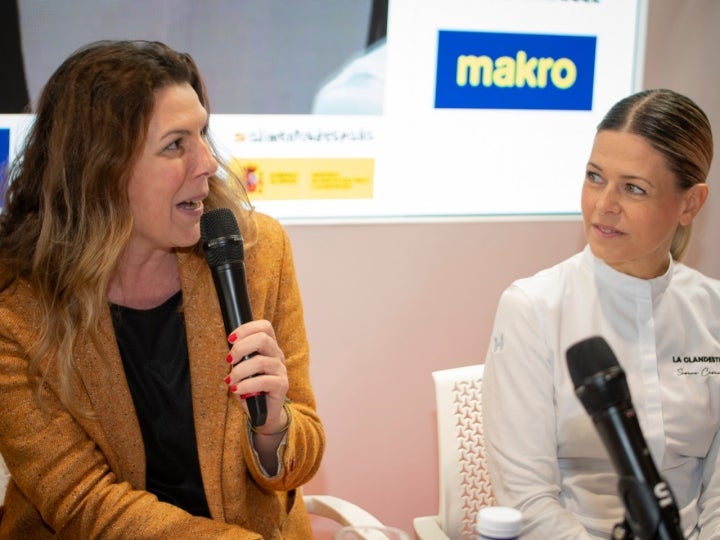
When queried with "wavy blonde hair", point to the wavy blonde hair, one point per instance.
{"points": [[676, 127], [67, 216]]}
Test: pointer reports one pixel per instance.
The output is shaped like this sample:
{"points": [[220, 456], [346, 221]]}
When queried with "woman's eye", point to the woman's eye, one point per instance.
{"points": [[593, 177], [173, 145], [637, 190]]}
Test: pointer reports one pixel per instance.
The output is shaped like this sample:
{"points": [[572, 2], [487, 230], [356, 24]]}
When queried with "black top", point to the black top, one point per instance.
{"points": [[154, 353]]}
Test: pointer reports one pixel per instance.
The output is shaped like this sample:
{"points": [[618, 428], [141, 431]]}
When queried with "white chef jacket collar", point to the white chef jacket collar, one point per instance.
{"points": [[610, 277]]}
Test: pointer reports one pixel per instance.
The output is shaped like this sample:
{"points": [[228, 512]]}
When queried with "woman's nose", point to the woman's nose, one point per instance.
{"points": [[207, 164], [609, 200]]}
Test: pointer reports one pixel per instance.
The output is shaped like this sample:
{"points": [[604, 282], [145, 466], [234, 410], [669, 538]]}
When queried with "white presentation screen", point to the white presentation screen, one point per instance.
{"points": [[464, 109]]}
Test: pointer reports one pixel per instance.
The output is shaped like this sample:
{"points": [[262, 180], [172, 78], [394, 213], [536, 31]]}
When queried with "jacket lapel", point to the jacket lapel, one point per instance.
{"points": [[117, 430], [207, 348]]}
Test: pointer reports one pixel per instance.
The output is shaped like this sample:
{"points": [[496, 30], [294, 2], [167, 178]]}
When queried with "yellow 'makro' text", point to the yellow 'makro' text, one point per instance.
{"points": [[521, 71]]}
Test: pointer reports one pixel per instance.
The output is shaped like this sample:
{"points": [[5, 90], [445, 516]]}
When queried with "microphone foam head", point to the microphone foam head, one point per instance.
{"points": [[218, 223], [598, 378], [589, 357], [221, 238]]}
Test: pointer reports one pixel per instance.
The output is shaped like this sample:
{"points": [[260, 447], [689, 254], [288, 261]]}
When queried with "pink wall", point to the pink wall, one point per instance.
{"points": [[386, 304]]}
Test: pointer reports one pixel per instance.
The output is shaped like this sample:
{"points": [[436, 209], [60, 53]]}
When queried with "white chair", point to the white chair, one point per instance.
{"points": [[339, 510], [4, 478], [464, 481]]}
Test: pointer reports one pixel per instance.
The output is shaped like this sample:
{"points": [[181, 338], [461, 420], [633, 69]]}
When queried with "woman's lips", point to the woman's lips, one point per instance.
{"points": [[607, 231], [189, 205]]}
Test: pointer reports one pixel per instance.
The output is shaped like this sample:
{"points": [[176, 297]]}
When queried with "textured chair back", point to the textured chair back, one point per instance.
{"points": [[464, 481]]}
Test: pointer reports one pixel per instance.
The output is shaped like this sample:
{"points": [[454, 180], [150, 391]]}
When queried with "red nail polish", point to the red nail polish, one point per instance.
{"points": [[233, 388], [232, 338], [228, 358], [227, 379]]}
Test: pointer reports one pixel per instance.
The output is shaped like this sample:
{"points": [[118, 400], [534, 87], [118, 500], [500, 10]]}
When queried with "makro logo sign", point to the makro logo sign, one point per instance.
{"points": [[484, 70]]}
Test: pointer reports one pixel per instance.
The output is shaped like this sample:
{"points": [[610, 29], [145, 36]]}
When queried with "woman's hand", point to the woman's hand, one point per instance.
{"points": [[258, 365]]}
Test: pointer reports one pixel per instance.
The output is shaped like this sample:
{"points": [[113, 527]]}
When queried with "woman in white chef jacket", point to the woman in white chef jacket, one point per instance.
{"points": [[644, 185]]}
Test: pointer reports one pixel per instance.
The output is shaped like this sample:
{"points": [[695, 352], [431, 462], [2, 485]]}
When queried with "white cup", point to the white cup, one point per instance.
{"points": [[499, 523]]}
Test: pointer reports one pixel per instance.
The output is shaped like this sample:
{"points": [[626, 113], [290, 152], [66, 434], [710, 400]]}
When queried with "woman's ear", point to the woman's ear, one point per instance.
{"points": [[695, 198]]}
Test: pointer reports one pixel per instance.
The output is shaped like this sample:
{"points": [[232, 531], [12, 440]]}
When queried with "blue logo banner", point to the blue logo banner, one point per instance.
{"points": [[4, 158], [488, 70]]}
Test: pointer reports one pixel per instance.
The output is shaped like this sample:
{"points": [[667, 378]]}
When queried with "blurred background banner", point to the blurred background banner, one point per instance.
{"points": [[463, 109]]}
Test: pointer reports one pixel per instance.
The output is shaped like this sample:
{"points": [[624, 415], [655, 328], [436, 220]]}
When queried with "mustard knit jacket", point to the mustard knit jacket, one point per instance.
{"points": [[83, 478]]}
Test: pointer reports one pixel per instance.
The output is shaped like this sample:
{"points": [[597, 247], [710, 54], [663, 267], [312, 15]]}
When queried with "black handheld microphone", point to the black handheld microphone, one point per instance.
{"points": [[601, 386], [223, 247]]}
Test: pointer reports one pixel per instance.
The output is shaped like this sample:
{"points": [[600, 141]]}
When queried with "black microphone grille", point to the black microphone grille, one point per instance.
{"points": [[588, 358], [218, 223], [221, 238]]}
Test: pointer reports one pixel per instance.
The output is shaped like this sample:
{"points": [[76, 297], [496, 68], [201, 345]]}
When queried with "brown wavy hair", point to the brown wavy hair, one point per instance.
{"points": [[67, 215], [676, 127]]}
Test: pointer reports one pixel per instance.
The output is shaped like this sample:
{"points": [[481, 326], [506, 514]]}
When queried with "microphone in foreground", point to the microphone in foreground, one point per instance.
{"points": [[223, 247], [601, 386]]}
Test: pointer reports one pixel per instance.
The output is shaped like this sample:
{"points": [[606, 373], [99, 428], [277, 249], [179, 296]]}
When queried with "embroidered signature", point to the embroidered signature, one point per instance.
{"points": [[704, 372]]}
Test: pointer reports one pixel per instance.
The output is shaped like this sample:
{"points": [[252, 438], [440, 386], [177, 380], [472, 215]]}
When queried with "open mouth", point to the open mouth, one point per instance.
{"points": [[189, 205]]}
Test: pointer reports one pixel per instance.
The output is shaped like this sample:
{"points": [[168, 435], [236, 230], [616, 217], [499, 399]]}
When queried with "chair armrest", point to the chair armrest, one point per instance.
{"points": [[4, 478], [428, 528], [339, 510]]}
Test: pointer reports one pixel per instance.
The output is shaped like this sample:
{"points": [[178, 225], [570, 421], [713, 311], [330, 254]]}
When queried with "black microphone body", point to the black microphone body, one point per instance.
{"points": [[601, 386], [224, 253]]}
